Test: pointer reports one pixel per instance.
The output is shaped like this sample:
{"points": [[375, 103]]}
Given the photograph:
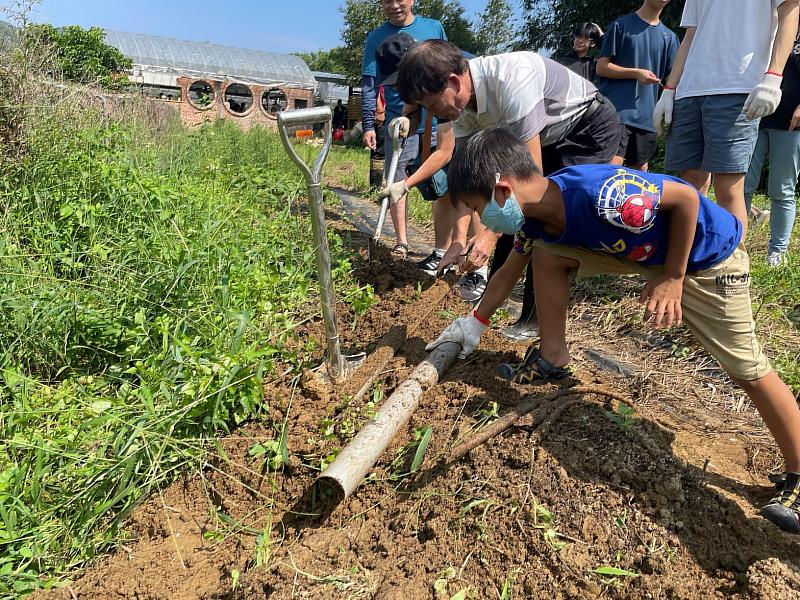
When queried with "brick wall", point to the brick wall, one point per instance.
{"points": [[192, 114]]}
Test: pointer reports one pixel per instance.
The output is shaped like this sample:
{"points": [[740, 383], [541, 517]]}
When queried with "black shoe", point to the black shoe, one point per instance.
{"points": [[472, 286], [533, 369], [430, 264], [784, 509]]}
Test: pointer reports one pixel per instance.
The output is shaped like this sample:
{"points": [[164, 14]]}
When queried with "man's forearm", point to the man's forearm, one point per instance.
{"points": [[683, 203], [680, 58], [785, 36], [369, 102], [502, 284]]}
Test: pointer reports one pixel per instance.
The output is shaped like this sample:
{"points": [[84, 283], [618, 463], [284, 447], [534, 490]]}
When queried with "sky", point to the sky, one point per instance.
{"points": [[271, 25]]}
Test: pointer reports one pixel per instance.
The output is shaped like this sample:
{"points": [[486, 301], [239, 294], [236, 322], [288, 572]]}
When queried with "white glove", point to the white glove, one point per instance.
{"points": [[394, 192], [764, 98], [404, 124], [662, 117], [465, 331]]}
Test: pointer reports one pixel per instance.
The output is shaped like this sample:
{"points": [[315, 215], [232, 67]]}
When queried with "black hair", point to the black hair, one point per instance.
{"points": [[426, 69], [496, 150], [588, 30]]}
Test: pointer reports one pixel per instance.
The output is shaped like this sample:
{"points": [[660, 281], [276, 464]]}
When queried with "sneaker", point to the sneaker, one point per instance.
{"points": [[784, 509], [430, 264], [759, 215], [472, 286], [776, 259]]}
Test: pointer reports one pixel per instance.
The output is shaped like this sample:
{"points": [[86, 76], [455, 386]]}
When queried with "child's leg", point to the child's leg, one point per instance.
{"points": [[777, 406], [551, 280], [399, 217], [729, 190]]}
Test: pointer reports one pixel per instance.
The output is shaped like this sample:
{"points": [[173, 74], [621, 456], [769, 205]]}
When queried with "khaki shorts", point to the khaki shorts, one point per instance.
{"points": [[716, 304]]}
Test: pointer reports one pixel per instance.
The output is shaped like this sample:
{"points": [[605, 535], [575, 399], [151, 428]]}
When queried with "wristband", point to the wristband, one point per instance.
{"points": [[480, 318], [774, 73], [669, 87]]}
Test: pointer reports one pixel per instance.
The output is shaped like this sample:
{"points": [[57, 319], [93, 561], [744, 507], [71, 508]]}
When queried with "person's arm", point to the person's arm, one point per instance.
{"points": [[606, 68], [445, 144], [674, 77], [502, 284], [784, 38], [369, 103], [662, 294]]}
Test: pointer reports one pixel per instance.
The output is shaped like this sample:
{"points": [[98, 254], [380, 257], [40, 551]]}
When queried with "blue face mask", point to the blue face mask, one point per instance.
{"points": [[508, 219]]}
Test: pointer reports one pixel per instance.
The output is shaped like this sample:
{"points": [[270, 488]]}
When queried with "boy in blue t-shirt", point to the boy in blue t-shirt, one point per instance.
{"points": [[594, 219], [637, 54]]}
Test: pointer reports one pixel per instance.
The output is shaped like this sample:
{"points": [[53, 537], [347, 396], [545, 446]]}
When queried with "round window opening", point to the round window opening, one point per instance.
{"points": [[201, 94], [238, 98], [274, 101]]}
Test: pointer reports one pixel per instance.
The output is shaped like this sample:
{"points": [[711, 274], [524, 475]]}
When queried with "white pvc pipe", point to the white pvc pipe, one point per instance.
{"points": [[356, 460]]}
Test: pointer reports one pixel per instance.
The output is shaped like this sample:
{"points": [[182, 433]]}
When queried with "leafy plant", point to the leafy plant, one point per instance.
{"points": [[623, 417], [417, 446], [274, 453]]}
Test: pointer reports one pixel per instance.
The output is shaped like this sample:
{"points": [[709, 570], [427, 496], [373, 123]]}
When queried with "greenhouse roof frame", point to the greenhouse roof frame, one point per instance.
{"points": [[168, 56]]}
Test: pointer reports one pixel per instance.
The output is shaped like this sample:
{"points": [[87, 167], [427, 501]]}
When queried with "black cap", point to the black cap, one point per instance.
{"points": [[389, 54]]}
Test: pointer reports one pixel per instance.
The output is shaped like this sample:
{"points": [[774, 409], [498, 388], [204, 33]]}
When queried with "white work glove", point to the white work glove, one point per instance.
{"points": [[394, 192], [465, 331], [662, 117], [405, 126], [764, 98]]}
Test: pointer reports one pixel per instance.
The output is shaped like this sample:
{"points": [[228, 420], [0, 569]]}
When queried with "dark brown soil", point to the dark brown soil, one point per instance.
{"points": [[671, 497]]}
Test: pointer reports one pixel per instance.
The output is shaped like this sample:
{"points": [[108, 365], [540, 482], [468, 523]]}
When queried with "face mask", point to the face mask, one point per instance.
{"points": [[508, 219]]}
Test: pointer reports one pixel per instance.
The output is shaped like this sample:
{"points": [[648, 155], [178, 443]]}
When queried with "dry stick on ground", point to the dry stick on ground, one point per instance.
{"points": [[522, 409]]}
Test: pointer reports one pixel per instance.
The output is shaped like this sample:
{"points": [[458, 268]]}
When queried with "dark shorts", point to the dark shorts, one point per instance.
{"points": [[435, 186], [593, 140], [711, 133], [637, 146]]}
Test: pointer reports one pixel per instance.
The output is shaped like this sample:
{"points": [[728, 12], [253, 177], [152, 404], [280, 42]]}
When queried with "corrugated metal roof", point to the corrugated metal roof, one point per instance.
{"points": [[200, 59]]}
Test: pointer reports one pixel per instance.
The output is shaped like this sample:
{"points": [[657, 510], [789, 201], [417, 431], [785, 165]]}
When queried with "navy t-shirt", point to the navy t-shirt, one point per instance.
{"points": [[631, 42], [615, 210]]}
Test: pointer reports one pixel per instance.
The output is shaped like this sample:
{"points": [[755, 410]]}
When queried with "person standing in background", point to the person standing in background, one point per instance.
{"points": [[399, 19], [585, 38], [779, 138], [637, 54]]}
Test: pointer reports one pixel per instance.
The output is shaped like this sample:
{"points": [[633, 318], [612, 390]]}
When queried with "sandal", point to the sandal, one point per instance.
{"points": [[533, 369], [400, 251], [784, 509]]}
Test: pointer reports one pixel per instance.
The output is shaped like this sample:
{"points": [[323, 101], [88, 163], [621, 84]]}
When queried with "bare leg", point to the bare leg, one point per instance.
{"points": [[640, 167], [778, 407], [618, 160], [399, 214], [551, 282], [443, 217], [729, 190], [701, 180]]}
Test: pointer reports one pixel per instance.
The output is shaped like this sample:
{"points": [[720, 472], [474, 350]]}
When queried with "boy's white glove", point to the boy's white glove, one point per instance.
{"points": [[465, 331], [662, 117], [394, 192], [764, 98], [404, 126]]}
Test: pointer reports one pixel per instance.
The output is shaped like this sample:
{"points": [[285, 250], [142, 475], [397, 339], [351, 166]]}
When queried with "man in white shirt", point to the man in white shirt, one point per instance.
{"points": [[559, 115], [727, 75]]}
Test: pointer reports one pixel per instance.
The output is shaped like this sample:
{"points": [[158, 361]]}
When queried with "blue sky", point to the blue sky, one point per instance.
{"points": [[273, 25]]}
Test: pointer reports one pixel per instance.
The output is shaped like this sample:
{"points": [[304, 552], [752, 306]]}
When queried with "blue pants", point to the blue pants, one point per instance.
{"points": [[783, 148]]}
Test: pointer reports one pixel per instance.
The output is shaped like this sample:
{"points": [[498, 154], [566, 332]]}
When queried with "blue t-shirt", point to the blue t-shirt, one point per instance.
{"points": [[615, 210], [631, 42], [421, 29]]}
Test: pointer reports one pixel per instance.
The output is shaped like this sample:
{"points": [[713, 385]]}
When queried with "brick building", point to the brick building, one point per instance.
{"points": [[208, 82]]}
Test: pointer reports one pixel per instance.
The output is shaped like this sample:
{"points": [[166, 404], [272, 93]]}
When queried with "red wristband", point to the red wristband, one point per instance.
{"points": [[669, 87], [774, 73], [480, 318]]}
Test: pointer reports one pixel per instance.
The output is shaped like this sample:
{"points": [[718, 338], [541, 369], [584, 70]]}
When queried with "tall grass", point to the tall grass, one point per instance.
{"points": [[149, 285]]}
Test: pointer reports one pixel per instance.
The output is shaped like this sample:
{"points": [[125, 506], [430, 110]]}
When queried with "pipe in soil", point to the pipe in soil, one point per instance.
{"points": [[356, 460]]}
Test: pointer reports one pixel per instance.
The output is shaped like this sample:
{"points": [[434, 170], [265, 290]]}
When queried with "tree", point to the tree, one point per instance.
{"points": [[495, 28], [362, 16], [548, 24], [329, 61], [83, 55]]}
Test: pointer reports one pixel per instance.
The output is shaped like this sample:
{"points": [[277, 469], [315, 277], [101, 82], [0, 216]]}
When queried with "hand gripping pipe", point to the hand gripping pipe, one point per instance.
{"points": [[356, 460], [310, 116], [393, 132]]}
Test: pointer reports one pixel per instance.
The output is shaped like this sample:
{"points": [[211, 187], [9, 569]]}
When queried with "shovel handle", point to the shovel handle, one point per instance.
{"points": [[307, 116]]}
